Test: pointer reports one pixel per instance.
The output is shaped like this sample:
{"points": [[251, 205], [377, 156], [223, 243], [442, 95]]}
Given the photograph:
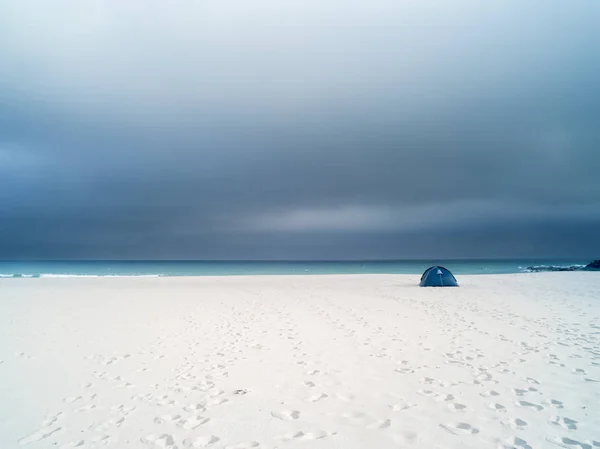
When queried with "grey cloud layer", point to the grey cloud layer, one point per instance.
{"points": [[235, 129]]}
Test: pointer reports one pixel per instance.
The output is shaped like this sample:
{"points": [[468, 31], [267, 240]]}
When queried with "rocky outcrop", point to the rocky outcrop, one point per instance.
{"points": [[544, 268], [592, 266], [595, 265]]}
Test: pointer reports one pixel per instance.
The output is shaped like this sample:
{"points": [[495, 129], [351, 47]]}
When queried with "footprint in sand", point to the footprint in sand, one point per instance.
{"points": [[444, 397], [570, 443], [41, 434], [304, 436], [86, 408], [109, 423], [243, 445], [456, 407], [554, 403], [164, 441], [354, 415], [192, 422], [195, 408], [201, 441], [461, 428], [399, 406], [75, 444], [166, 419], [141, 397], [216, 393], [565, 422], [317, 397], [516, 423], [286, 415], [122, 409], [429, 381], [166, 402], [489, 393], [530, 405], [429, 393], [516, 443], [497, 407], [51, 419], [381, 424]]}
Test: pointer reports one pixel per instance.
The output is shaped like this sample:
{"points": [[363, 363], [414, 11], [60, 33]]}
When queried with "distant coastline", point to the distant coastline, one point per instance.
{"points": [[592, 266]]}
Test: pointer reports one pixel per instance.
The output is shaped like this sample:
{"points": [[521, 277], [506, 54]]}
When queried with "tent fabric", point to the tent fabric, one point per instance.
{"points": [[438, 277]]}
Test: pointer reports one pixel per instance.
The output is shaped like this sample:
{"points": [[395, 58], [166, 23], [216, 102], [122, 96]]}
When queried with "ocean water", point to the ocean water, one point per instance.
{"points": [[24, 269]]}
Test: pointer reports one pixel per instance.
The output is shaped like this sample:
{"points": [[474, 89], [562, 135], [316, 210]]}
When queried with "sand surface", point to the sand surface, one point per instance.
{"points": [[371, 361]]}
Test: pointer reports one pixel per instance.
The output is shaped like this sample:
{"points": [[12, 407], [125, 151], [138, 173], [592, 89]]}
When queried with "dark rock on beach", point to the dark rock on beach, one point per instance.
{"points": [[592, 266], [543, 268], [595, 265]]}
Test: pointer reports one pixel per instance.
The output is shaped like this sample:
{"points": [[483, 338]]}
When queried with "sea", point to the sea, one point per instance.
{"points": [[162, 268]]}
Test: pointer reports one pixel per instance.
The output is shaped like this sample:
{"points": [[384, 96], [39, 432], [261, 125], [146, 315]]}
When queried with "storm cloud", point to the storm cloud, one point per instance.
{"points": [[301, 129]]}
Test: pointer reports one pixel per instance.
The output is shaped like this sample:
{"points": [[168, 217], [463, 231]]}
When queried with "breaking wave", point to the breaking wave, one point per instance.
{"points": [[545, 268], [53, 275], [18, 275], [50, 275]]}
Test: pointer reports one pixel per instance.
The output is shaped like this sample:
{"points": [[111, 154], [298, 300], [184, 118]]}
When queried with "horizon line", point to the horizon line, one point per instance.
{"points": [[425, 259]]}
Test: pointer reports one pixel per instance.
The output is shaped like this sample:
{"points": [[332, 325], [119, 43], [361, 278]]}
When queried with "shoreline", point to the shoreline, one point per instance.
{"points": [[27, 269], [292, 276]]}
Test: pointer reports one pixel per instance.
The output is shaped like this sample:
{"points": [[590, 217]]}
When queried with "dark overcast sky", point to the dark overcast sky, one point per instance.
{"points": [[320, 129]]}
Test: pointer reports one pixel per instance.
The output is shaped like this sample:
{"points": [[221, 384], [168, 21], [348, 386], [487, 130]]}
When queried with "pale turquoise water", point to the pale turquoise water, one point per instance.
{"points": [[226, 268]]}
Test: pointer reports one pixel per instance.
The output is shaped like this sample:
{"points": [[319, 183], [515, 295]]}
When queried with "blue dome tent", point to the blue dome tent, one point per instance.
{"points": [[438, 277]]}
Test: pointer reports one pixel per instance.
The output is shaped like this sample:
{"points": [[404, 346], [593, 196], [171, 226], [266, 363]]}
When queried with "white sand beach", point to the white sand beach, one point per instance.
{"points": [[357, 361]]}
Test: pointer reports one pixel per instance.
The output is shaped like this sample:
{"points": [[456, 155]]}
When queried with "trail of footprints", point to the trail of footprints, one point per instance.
{"points": [[199, 375]]}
